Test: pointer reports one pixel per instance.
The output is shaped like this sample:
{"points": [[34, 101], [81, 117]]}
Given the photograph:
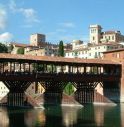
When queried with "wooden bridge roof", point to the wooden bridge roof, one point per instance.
{"points": [[52, 59]]}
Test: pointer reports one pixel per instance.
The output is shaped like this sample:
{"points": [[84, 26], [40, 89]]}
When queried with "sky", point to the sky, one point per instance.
{"points": [[65, 20]]}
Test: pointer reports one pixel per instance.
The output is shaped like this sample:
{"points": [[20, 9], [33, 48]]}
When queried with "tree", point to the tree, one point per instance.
{"points": [[10, 48], [61, 49], [20, 50], [76, 54], [3, 48], [69, 89]]}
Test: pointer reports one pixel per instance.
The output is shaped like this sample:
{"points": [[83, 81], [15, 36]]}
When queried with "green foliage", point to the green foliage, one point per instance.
{"points": [[75, 53], [3, 48], [20, 50], [69, 89], [38, 67], [10, 48], [61, 49]]}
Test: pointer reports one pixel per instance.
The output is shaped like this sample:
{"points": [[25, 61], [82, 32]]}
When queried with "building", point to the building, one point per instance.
{"points": [[112, 36], [98, 42], [92, 51], [37, 39], [49, 50], [16, 46], [115, 54], [95, 34], [77, 44], [118, 56]]}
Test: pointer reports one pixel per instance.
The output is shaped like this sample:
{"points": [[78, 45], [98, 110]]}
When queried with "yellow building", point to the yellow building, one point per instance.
{"points": [[42, 51]]}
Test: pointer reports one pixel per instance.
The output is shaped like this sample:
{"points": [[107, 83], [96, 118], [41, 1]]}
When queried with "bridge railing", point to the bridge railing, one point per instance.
{"points": [[55, 73]]}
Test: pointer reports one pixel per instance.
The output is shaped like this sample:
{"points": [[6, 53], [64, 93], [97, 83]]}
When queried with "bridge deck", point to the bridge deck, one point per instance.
{"points": [[64, 77]]}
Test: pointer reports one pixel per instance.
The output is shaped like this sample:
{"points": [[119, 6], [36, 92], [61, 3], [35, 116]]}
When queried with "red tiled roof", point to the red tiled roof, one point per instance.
{"points": [[106, 43], [20, 44], [87, 48], [110, 32], [114, 50], [54, 59]]}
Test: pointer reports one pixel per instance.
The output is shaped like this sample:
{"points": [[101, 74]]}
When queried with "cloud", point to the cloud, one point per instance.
{"points": [[12, 6], [5, 37], [29, 13], [67, 24], [3, 19]]}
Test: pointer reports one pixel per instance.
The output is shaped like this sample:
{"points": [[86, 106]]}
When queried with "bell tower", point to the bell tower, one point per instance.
{"points": [[95, 34]]}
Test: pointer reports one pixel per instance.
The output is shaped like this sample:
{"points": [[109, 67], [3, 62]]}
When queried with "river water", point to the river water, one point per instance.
{"points": [[56, 116]]}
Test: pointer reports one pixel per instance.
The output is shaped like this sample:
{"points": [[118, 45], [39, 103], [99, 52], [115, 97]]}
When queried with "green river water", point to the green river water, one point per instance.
{"points": [[56, 116]]}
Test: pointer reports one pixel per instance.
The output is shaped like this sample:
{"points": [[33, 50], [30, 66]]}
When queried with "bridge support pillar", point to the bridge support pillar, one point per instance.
{"points": [[85, 92], [85, 96], [52, 98], [111, 90], [16, 95], [53, 92], [16, 99]]}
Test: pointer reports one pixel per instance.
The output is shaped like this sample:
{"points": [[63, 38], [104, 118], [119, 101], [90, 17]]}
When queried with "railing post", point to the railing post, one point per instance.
{"points": [[3, 67], [84, 69]]}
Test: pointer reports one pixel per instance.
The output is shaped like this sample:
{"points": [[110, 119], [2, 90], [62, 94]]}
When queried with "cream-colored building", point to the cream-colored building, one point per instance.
{"points": [[99, 42], [97, 36], [112, 36], [92, 51], [77, 44], [16, 46], [42, 51]]}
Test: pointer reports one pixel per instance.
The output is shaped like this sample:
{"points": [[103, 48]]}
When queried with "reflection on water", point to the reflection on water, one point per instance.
{"points": [[4, 120], [34, 118], [70, 115], [89, 116]]}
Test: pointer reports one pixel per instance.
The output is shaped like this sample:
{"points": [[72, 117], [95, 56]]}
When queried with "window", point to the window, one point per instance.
{"points": [[95, 54], [99, 31], [118, 55], [113, 37], [109, 37], [113, 55], [98, 53], [93, 38]]}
